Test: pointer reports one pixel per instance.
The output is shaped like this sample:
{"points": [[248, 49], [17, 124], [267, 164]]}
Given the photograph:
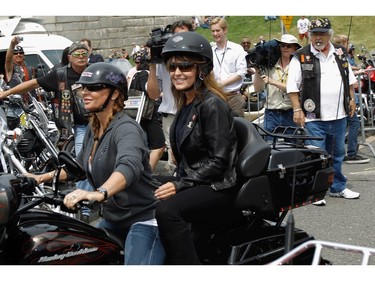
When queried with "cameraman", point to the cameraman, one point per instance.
{"points": [[159, 84], [278, 107]]}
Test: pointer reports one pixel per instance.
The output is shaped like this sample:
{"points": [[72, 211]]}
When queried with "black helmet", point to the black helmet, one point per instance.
{"points": [[189, 43], [105, 73]]}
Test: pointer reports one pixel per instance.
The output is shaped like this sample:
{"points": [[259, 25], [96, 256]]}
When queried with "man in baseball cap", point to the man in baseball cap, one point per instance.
{"points": [[320, 25], [320, 86]]}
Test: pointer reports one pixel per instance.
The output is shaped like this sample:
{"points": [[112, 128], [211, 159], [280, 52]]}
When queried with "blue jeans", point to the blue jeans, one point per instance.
{"points": [[142, 243], [79, 134], [274, 118], [333, 134], [353, 127]]}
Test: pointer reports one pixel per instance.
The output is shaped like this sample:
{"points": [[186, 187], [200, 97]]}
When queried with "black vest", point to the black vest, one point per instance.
{"points": [[18, 75], [310, 90], [67, 106]]}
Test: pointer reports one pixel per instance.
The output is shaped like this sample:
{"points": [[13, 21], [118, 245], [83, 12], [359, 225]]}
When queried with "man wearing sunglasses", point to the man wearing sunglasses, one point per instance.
{"points": [[321, 88], [16, 70], [69, 115], [278, 107]]}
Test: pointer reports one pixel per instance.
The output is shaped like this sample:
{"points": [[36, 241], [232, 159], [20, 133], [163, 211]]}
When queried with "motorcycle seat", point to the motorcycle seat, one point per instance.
{"points": [[253, 150]]}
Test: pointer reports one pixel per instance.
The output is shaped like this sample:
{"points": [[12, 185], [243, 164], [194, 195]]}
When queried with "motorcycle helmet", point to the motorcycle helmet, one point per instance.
{"points": [[105, 73], [190, 44]]}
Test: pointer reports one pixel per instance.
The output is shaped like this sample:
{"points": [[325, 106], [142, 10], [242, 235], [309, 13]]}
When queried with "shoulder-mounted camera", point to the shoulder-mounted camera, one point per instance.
{"points": [[159, 36], [264, 55]]}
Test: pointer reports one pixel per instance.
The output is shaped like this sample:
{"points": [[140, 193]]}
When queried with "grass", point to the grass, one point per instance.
{"points": [[359, 28]]}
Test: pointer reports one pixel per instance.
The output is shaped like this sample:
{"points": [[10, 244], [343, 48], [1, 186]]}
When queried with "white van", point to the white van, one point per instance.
{"points": [[42, 51]]}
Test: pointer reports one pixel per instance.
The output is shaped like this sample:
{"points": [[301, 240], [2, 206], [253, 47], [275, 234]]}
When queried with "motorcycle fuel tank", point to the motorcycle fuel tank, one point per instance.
{"points": [[44, 238]]}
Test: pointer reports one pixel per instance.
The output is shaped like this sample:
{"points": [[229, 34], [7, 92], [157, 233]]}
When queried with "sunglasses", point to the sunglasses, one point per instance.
{"points": [[94, 87], [18, 53], [245, 43], [182, 66], [283, 45], [77, 54]]}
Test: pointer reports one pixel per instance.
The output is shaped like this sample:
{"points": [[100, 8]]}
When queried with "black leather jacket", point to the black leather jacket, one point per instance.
{"points": [[208, 146]]}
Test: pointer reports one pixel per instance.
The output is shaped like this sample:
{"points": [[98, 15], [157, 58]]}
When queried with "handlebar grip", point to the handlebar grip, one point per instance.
{"points": [[93, 205]]}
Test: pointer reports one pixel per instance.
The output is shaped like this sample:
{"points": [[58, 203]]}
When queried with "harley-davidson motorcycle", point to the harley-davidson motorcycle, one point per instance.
{"points": [[275, 177]]}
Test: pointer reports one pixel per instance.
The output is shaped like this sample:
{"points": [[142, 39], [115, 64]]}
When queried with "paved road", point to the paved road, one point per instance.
{"points": [[342, 220]]}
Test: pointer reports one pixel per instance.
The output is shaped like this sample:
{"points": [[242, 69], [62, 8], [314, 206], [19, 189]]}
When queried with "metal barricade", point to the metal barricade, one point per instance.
{"points": [[319, 245]]}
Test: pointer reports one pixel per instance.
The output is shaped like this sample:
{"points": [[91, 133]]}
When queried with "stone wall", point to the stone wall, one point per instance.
{"points": [[107, 32]]}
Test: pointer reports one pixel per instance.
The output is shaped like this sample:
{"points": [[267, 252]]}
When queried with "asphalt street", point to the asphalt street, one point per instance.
{"points": [[342, 220]]}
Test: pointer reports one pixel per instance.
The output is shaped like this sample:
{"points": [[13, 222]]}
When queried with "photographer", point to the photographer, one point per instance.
{"points": [[278, 107], [16, 70], [159, 84]]}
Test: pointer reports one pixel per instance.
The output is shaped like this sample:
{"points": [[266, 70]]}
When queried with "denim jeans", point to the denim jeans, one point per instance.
{"points": [[79, 134], [333, 134], [273, 118], [353, 127], [142, 243]]}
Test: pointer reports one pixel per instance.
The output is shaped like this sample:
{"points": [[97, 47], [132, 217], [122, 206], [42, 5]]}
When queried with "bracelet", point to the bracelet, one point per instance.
{"points": [[298, 109], [352, 99]]}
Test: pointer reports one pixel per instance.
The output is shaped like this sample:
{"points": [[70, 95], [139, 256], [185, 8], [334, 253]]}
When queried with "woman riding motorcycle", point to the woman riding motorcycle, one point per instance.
{"points": [[203, 140]]}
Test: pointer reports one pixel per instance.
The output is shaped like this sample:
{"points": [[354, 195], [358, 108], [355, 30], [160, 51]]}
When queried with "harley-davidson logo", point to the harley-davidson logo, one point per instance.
{"points": [[67, 255]]}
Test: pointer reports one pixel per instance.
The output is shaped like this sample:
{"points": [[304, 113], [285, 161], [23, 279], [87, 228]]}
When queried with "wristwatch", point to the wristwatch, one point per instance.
{"points": [[103, 191]]}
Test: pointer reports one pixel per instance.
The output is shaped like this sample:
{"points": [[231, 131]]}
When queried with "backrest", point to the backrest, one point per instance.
{"points": [[253, 150]]}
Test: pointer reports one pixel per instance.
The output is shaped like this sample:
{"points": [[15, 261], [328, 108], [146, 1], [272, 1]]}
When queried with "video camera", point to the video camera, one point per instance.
{"points": [[264, 55], [159, 36]]}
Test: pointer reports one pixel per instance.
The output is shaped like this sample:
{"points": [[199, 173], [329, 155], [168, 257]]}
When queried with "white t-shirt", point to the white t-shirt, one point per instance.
{"points": [[303, 25]]}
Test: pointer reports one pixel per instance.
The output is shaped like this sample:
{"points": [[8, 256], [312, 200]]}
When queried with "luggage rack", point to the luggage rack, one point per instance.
{"points": [[319, 245], [291, 135]]}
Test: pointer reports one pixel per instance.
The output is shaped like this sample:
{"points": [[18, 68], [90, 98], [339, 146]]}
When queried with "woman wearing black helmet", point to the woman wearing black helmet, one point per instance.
{"points": [[115, 157], [203, 140]]}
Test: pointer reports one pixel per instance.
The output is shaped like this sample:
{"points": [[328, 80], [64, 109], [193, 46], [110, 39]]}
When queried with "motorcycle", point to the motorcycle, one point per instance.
{"points": [[274, 178]]}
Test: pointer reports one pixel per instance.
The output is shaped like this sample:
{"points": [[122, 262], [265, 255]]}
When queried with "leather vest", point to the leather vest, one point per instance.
{"points": [[67, 104], [19, 76], [310, 90]]}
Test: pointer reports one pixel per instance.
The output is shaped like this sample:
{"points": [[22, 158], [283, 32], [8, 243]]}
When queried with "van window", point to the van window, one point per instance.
{"points": [[36, 62], [54, 56]]}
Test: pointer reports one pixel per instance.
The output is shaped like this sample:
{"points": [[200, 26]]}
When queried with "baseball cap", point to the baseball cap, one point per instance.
{"points": [[77, 46], [320, 25], [289, 39], [18, 49]]}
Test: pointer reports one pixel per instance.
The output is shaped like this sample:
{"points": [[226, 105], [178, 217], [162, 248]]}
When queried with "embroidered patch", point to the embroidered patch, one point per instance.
{"points": [[309, 105], [307, 66], [65, 95]]}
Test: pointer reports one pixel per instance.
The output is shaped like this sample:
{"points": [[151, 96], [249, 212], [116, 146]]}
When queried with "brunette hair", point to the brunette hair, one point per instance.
{"points": [[201, 83]]}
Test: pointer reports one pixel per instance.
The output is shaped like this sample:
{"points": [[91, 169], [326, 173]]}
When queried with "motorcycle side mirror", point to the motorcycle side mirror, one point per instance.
{"points": [[71, 165]]}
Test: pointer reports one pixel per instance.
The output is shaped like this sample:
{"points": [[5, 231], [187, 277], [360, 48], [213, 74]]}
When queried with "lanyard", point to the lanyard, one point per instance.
{"points": [[222, 59]]}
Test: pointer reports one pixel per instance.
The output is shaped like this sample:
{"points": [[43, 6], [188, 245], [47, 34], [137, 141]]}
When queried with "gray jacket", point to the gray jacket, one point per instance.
{"points": [[122, 148]]}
